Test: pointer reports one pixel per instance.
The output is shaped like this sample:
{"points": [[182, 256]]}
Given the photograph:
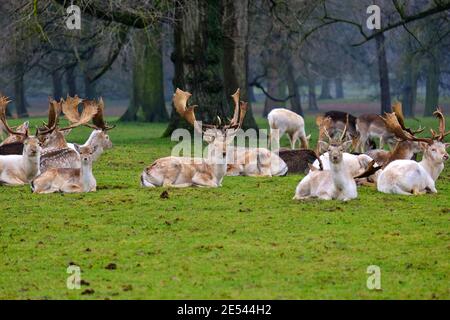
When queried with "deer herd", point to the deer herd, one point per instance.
{"points": [[48, 163]]}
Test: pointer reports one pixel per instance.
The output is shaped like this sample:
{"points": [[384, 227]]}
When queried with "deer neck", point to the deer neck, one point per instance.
{"points": [[403, 150], [340, 174], [431, 167], [86, 176], [218, 164], [31, 165]]}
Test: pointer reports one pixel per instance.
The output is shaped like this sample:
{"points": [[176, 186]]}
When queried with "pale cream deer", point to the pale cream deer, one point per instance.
{"points": [[283, 121], [408, 177], [19, 169], [185, 171], [335, 183]]}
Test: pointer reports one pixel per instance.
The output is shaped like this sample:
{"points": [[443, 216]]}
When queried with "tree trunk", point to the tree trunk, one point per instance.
{"points": [[19, 91], [326, 90], [57, 85], [275, 88], [251, 94], [89, 88], [409, 88], [71, 81], [432, 86], [198, 59], [339, 86], [292, 84], [148, 80], [235, 54], [383, 74], [312, 100]]}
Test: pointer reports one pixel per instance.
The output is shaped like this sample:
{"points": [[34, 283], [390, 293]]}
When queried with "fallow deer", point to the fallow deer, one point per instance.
{"points": [[372, 126], [185, 171], [335, 183], [19, 169], [408, 177], [13, 144], [57, 154], [283, 121], [68, 180]]}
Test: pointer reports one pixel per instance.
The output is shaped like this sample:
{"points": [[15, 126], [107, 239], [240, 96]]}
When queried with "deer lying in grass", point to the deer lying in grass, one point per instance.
{"points": [[57, 154], [185, 171], [68, 180], [335, 183], [287, 121], [19, 169], [372, 126], [408, 177]]}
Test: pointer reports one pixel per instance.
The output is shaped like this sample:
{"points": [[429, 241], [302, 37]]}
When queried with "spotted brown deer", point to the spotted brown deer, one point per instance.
{"points": [[408, 177], [19, 169], [57, 154], [335, 183], [185, 171], [68, 180], [372, 126]]}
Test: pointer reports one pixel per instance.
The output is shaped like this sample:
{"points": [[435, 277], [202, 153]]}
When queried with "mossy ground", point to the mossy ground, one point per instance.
{"points": [[246, 240]]}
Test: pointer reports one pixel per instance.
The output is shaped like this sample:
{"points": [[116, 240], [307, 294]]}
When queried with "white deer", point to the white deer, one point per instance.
{"points": [[335, 183], [68, 180], [283, 121], [19, 169], [185, 171], [408, 177]]}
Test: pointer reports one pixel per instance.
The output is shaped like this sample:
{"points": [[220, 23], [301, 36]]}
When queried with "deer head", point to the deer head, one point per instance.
{"points": [[217, 136], [336, 146], [31, 144]]}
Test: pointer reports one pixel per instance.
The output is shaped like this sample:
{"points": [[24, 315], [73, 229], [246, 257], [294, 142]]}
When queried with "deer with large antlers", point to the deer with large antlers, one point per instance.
{"points": [[335, 183], [19, 169], [185, 171], [408, 177], [57, 153]]}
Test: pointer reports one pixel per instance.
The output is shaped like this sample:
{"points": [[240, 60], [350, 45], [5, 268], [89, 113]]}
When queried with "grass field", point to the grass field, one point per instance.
{"points": [[246, 240]]}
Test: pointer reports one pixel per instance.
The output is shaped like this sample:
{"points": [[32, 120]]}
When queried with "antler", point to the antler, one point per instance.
{"points": [[442, 134], [98, 120], [180, 99], [236, 115], [70, 109], [398, 110], [344, 132], [4, 101], [54, 109], [392, 123]]}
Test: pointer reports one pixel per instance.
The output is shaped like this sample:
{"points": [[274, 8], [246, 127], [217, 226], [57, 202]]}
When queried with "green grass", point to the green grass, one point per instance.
{"points": [[247, 239]]}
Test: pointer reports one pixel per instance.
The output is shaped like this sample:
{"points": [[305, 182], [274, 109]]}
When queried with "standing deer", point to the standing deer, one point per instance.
{"points": [[289, 122], [408, 177], [372, 126], [68, 180], [19, 169], [335, 183], [185, 171]]}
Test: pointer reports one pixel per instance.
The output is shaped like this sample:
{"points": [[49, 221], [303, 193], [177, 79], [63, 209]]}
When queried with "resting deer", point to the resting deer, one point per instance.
{"points": [[372, 126], [185, 171], [408, 177], [335, 183], [289, 122], [56, 153], [19, 169], [12, 138], [68, 180]]}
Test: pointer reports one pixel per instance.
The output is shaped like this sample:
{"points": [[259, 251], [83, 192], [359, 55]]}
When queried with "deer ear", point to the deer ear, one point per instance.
{"points": [[347, 144], [208, 138], [446, 145], [323, 145]]}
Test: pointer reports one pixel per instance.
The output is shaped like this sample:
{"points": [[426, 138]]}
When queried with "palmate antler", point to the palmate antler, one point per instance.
{"points": [[54, 110], [442, 134], [70, 110], [392, 123], [4, 101], [398, 110], [98, 120], [180, 100]]}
